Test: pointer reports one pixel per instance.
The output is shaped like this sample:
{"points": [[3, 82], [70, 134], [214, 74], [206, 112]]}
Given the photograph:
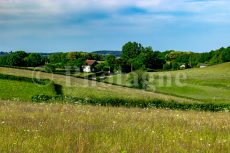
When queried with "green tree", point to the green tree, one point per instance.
{"points": [[34, 60], [102, 67], [17, 58], [175, 66], [57, 58], [111, 60], [226, 55], [50, 68], [76, 63], [130, 51], [71, 55]]}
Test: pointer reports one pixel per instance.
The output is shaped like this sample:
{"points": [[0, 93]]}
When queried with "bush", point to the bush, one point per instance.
{"points": [[41, 98], [50, 68], [139, 79], [167, 66]]}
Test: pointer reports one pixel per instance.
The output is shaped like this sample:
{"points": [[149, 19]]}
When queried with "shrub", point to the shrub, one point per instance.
{"points": [[41, 98], [50, 68], [139, 79]]}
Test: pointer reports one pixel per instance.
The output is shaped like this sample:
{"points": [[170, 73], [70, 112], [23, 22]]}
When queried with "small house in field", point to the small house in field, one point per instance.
{"points": [[183, 66], [203, 65], [90, 66]]}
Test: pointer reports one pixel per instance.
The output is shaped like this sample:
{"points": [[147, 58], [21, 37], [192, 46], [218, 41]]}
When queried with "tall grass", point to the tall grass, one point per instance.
{"points": [[26, 127]]}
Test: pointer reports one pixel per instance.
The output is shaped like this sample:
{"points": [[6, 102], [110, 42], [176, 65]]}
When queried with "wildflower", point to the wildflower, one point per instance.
{"points": [[114, 122], [3, 122]]}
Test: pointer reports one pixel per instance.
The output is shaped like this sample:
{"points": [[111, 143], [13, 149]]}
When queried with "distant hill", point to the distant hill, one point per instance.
{"points": [[3, 53], [108, 52]]}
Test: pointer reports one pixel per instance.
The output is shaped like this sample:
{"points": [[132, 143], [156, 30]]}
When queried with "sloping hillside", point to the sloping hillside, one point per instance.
{"points": [[85, 88], [210, 84]]}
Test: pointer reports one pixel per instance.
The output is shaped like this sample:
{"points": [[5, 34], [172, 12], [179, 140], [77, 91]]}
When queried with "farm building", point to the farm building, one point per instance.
{"points": [[90, 66]]}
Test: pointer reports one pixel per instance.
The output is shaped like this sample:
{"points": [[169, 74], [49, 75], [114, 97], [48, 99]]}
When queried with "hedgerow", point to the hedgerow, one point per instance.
{"points": [[119, 102], [25, 79]]}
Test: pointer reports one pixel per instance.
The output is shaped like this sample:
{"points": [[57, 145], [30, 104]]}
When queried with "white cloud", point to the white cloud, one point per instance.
{"points": [[35, 11]]}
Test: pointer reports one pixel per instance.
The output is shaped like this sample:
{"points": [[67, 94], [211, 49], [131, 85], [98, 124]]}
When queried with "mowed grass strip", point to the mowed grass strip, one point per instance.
{"points": [[21, 90], [27, 127]]}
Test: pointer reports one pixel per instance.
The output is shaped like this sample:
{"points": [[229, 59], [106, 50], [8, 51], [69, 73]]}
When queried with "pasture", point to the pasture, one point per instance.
{"points": [[211, 84]]}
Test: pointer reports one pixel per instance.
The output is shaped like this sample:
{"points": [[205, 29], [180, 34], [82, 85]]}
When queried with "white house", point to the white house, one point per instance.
{"points": [[183, 66], [90, 66]]}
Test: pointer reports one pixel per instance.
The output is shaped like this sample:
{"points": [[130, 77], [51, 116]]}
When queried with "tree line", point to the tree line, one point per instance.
{"points": [[134, 56]]}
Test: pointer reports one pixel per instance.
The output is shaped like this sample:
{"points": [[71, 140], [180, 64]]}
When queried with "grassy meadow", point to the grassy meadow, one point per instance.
{"points": [[27, 127], [210, 84], [56, 127], [76, 87]]}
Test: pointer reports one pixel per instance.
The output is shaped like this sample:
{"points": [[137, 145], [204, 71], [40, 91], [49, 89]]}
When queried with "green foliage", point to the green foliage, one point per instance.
{"points": [[50, 68], [193, 59], [118, 102], [41, 98], [131, 50], [17, 58], [34, 60], [175, 66], [138, 57], [57, 58], [111, 61], [77, 63], [139, 79], [167, 66], [104, 66], [226, 55]]}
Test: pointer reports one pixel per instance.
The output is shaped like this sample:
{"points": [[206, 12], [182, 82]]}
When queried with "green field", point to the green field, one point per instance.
{"points": [[20, 90], [27, 127], [76, 87], [55, 127], [211, 84]]}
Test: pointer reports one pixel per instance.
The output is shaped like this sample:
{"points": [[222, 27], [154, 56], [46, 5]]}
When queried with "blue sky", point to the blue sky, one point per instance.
{"points": [[87, 25]]}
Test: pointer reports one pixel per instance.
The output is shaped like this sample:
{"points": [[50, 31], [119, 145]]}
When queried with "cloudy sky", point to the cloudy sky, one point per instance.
{"points": [[71, 25]]}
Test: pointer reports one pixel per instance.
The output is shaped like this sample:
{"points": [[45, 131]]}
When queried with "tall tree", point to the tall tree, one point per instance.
{"points": [[111, 60], [34, 59], [130, 51]]}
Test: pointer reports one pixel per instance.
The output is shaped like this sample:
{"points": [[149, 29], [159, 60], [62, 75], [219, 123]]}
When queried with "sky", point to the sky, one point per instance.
{"points": [[90, 25]]}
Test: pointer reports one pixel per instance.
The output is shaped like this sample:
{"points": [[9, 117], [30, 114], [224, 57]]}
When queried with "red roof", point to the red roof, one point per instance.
{"points": [[90, 62]]}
